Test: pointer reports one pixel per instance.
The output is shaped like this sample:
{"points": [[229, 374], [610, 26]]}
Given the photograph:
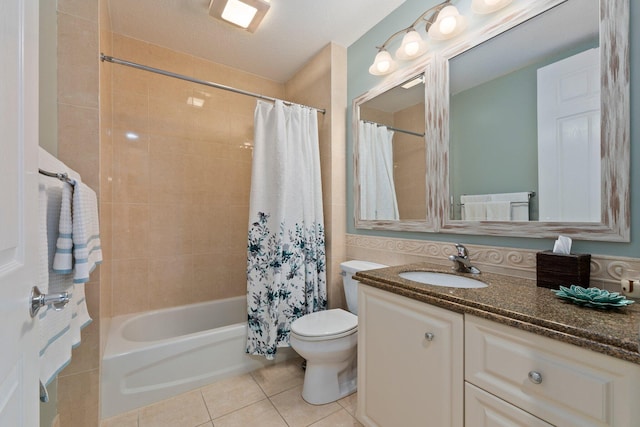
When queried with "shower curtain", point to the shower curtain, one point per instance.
{"points": [[286, 275], [377, 189]]}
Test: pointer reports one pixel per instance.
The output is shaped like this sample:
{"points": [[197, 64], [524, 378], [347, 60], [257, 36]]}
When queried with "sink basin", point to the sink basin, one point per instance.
{"points": [[442, 279]]}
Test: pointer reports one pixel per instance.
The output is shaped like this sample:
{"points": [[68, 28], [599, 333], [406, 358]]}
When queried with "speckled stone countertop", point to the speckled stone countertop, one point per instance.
{"points": [[520, 303]]}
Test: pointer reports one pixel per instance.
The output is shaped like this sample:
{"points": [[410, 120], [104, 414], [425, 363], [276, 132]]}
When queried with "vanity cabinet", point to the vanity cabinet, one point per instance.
{"points": [[422, 365], [410, 362], [559, 383]]}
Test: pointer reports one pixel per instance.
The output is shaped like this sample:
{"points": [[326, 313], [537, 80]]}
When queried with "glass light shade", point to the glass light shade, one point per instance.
{"points": [[412, 46], [484, 7], [448, 24], [383, 64]]}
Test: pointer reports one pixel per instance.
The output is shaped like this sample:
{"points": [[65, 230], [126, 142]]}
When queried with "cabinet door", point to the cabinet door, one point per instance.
{"points": [[410, 362], [485, 410]]}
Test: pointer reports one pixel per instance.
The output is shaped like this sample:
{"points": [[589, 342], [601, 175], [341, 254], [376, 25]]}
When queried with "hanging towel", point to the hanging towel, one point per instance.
{"points": [[59, 331], [465, 198], [498, 211], [475, 211], [86, 232], [63, 259]]}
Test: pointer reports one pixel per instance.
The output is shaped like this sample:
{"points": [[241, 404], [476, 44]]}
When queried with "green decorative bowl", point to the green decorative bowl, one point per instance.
{"points": [[592, 297]]}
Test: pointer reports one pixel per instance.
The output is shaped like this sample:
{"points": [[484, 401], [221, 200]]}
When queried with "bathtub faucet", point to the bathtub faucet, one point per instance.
{"points": [[461, 262]]}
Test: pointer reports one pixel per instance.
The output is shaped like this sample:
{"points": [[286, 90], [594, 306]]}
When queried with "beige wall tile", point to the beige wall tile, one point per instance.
{"points": [[78, 402], [130, 231], [86, 9], [78, 142], [130, 286], [170, 280], [77, 61]]}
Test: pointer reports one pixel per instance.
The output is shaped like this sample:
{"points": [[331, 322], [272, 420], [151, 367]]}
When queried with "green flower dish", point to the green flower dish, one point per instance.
{"points": [[592, 297]]}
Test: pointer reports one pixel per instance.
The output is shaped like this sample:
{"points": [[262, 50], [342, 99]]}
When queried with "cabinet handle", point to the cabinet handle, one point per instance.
{"points": [[535, 377], [429, 336]]}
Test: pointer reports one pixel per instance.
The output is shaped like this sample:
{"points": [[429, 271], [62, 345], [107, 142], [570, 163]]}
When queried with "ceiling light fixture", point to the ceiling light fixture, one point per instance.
{"points": [[245, 14], [442, 22]]}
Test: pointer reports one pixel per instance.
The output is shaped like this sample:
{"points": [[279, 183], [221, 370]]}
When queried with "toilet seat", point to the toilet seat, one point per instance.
{"points": [[325, 325]]}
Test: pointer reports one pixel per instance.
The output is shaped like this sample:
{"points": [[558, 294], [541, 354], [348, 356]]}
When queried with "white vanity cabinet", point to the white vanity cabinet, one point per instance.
{"points": [[410, 362], [558, 383]]}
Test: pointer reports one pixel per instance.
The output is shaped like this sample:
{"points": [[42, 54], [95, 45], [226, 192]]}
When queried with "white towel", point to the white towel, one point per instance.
{"points": [[474, 211], [59, 330], [86, 232], [63, 259], [473, 198], [498, 211]]}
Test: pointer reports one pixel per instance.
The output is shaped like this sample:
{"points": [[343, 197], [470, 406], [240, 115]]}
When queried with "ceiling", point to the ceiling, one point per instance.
{"points": [[292, 32]]}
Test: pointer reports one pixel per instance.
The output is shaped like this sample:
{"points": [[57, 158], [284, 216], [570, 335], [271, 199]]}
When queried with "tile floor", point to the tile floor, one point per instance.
{"points": [[269, 397]]}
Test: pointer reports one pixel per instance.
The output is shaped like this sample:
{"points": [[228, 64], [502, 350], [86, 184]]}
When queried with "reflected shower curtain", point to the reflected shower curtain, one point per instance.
{"points": [[286, 275], [377, 189]]}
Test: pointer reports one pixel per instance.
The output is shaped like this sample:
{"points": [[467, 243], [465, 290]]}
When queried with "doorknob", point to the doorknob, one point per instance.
{"points": [[38, 300]]}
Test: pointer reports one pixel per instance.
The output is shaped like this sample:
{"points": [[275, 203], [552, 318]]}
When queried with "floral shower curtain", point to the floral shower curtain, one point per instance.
{"points": [[377, 188], [286, 275]]}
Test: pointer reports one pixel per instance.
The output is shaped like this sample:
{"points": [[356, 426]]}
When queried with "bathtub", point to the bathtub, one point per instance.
{"points": [[158, 354]]}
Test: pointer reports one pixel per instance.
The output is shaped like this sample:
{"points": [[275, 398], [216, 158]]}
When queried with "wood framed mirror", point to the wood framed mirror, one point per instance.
{"points": [[479, 176]]}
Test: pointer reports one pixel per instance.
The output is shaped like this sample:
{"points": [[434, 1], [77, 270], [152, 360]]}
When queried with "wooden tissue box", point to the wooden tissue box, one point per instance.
{"points": [[554, 270]]}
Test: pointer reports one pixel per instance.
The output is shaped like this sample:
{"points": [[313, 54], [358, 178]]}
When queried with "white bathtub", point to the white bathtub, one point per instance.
{"points": [[158, 354]]}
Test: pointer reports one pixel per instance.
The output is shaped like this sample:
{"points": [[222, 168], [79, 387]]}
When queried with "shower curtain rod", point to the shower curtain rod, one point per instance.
{"points": [[421, 135], [113, 60]]}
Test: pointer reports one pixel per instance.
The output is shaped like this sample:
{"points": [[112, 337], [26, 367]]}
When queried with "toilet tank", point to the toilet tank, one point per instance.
{"points": [[349, 268]]}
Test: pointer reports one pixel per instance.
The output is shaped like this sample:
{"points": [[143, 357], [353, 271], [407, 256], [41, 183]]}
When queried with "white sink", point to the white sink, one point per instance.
{"points": [[442, 279]]}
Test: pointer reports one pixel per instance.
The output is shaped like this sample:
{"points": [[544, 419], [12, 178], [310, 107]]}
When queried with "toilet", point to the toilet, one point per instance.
{"points": [[327, 340]]}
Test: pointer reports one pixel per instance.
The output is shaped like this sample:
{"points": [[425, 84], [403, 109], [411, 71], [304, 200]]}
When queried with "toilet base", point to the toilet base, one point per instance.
{"points": [[326, 383]]}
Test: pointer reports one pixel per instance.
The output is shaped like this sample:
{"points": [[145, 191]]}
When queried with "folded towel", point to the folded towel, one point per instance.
{"points": [[86, 232], [474, 211], [521, 197], [498, 211]]}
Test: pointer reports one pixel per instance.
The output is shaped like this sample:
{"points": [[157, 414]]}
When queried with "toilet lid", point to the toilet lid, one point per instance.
{"points": [[325, 323]]}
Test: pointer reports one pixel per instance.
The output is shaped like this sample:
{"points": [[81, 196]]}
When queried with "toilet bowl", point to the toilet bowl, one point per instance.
{"points": [[327, 340]]}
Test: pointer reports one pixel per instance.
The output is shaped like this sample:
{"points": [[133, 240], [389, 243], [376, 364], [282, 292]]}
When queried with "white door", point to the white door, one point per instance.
{"points": [[569, 183], [19, 403]]}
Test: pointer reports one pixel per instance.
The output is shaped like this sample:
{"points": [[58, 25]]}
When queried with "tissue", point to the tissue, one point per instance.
{"points": [[562, 245]]}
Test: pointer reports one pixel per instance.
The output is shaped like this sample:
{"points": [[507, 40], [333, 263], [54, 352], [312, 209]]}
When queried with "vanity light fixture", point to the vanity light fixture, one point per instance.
{"points": [[245, 14], [484, 7], [442, 22]]}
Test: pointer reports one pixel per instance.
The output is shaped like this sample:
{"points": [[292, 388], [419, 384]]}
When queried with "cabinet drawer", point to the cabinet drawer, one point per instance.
{"points": [[485, 410], [557, 382]]}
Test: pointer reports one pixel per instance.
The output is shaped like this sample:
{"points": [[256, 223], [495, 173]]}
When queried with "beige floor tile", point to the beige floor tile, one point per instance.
{"points": [[128, 419], [209, 424], [231, 394], [297, 412], [261, 413], [350, 403], [338, 419], [184, 410], [277, 378]]}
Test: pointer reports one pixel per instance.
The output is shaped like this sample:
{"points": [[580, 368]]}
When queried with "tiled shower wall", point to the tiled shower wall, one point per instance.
{"points": [[180, 180]]}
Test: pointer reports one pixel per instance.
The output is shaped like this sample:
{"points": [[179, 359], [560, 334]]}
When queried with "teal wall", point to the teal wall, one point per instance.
{"points": [[360, 56]]}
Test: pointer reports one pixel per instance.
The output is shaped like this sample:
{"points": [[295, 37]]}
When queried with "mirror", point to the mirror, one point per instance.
{"points": [[390, 153], [524, 119], [503, 176]]}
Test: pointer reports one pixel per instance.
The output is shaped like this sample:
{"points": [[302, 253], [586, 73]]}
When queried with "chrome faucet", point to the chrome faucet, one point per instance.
{"points": [[461, 262]]}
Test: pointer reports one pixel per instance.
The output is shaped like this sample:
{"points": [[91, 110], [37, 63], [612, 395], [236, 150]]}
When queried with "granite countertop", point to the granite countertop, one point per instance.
{"points": [[520, 303]]}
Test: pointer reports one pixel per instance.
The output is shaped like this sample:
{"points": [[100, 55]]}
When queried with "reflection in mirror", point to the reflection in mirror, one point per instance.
{"points": [[391, 154], [524, 142]]}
